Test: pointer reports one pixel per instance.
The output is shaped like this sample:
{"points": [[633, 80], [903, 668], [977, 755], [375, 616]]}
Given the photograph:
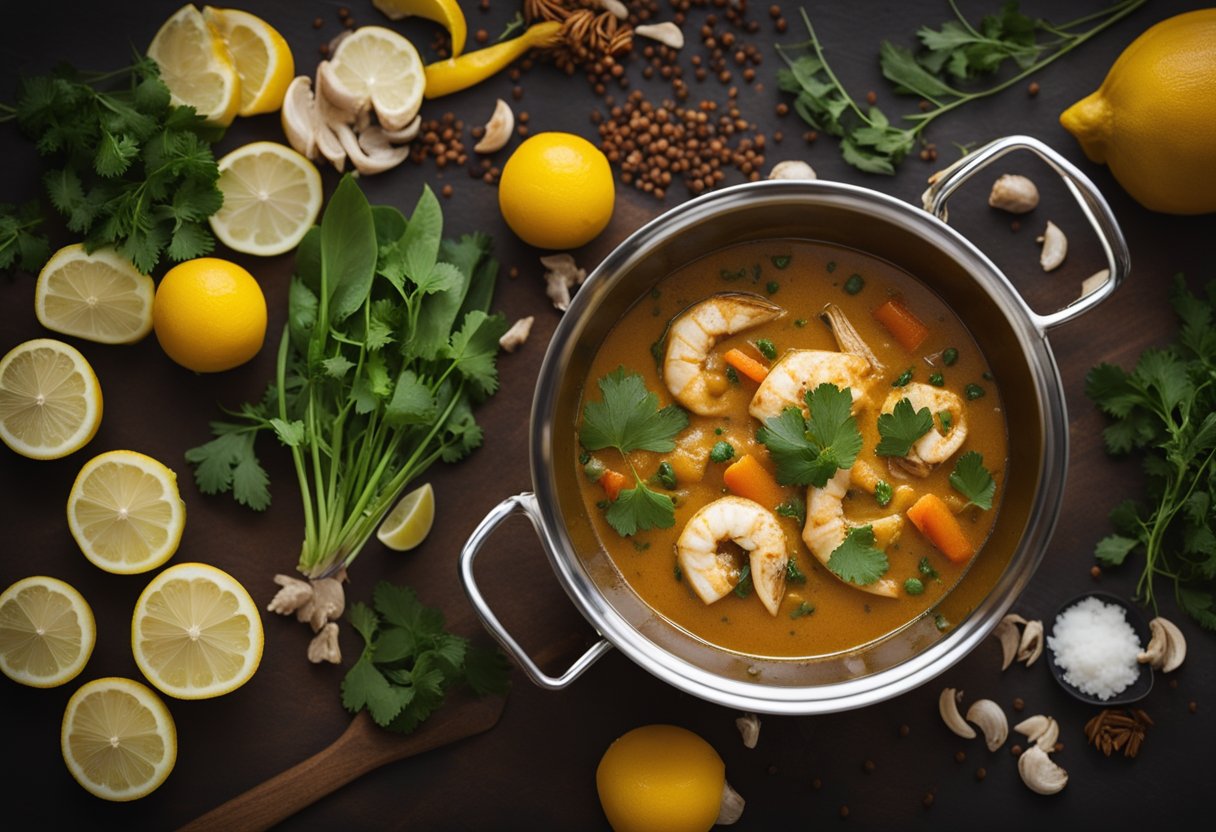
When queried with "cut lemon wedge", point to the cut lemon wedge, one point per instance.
{"points": [[46, 632], [125, 512], [196, 67], [378, 65], [100, 296], [272, 196], [446, 13], [196, 633], [262, 57], [50, 401], [118, 739], [408, 524]]}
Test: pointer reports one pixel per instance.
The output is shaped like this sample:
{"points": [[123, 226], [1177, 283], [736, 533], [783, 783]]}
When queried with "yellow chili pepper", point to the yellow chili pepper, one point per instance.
{"points": [[444, 12], [455, 74]]}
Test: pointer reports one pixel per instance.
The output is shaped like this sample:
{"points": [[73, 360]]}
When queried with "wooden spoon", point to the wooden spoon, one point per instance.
{"points": [[362, 747]]}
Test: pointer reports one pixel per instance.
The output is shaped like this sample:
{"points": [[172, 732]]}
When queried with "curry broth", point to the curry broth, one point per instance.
{"points": [[814, 274]]}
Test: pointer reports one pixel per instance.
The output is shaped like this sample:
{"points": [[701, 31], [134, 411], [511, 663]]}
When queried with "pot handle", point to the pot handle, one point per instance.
{"points": [[1092, 203], [525, 503]]}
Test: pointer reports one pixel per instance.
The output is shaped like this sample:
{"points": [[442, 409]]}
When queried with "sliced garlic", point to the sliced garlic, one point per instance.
{"points": [[1007, 634], [947, 706], [991, 720], [668, 33], [1031, 645], [498, 129], [1055, 247]]}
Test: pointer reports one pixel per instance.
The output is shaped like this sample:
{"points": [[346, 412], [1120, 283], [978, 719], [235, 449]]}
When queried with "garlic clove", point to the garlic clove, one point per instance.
{"points": [[667, 33], [792, 169], [1040, 773], [731, 808], [749, 729], [991, 720], [1055, 247], [616, 8], [498, 129], [1013, 193], [1031, 645], [514, 337], [947, 706], [1006, 633], [1039, 729], [1175, 646]]}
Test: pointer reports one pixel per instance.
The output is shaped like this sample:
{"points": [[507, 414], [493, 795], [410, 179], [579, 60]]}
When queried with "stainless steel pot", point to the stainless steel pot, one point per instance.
{"points": [[1012, 336]]}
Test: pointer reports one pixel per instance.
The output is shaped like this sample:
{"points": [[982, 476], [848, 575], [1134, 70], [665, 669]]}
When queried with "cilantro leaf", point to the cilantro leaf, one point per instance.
{"points": [[1113, 549], [474, 347], [640, 508], [971, 479], [856, 560], [900, 428], [228, 463], [627, 417], [20, 244], [810, 452]]}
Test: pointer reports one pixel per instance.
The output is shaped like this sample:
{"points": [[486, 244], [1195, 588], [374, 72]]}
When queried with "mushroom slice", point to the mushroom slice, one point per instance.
{"points": [[405, 134], [370, 163], [1007, 634], [1167, 647], [991, 720], [1040, 773], [1031, 645], [1041, 730], [498, 129], [329, 146], [947, 705], [298, 116]]}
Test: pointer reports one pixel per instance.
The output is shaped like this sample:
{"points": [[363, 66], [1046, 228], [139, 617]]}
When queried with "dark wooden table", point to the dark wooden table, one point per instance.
{"points": [[536, 768]]}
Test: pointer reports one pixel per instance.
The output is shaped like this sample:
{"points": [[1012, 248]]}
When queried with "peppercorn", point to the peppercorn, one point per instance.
{"points": [[482, 36], [960, 756], [317, 23], [1018, 704], [1033, 88], [871, 98], [981, 773], [447, 191], [1095, 571]]}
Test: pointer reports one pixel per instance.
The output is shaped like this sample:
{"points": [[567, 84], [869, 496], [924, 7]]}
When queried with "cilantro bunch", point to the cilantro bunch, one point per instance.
{"points": [[387, 350], [127, 168], [409, 661], [1165, 410], [20, 243]]}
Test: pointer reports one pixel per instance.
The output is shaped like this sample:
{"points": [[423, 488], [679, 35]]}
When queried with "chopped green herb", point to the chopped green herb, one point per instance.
{"points": [[732, 375], [971, 479], [800, 323], [925, 568], [781, 260], [718, 431], [856, 560], [941, 622], [584, 458], [594, 469], [809, 452], [767, 348], [987, 375], [744, 587], [721, 451], [904, 378], [603, 505], [655, 294], [640, 546], [677, 571], [946, 419], [973, 392], [883, 492], [794, 507], [757, 270], [738, 274], [771, 287], [900, 428], [914, 586], [793, 574], [854, 284], [949, 356], [831, 266], [937, 379], [666, 475], [802, 610]]}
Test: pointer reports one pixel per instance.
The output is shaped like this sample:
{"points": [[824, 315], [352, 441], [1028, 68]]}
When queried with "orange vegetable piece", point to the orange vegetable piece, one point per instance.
{"points": [[746, 365], [746, 477], [937, 523], [905, 327], [612, 482]]}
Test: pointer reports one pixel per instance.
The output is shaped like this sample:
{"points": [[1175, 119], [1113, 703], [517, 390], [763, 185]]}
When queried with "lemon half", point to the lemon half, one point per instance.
{"points": [[196, 67], [100, 296], [50, 400], [47, 632]]}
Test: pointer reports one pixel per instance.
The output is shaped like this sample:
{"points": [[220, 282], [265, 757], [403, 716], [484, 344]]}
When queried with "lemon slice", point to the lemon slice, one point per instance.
{"points": [[50, 401], [98, 296], [196, 632], [125, 512], [46, 632], [262, 57], [272, 196], [410, 521], [118, 739], [196, 66], [379, 65]]}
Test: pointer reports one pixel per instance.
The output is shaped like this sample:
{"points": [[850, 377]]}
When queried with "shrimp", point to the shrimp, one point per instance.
{"points": [[800, 370], [936, 446], [693, 334], [826, 528], [753, 528]]}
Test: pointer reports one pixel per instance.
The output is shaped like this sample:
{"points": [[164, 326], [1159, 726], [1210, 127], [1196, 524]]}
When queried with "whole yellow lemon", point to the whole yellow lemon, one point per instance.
{"points": [[556, 191], [660, 777], [209, 315], [1152, 119]]}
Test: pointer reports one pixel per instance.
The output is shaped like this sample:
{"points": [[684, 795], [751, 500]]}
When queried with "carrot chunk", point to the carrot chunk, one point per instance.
{"points": [[746, 477], [746, 365], [905, 327], [612, 482], [937, 523]]}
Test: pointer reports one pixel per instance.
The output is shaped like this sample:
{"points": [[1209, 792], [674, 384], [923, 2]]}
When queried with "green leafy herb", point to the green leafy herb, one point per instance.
{"points": [[721, 451], [914, 586], [628, 418], [937, 379], [771, 287], [941, 622], [793, 574], [781, 260], [409, 662], [744, 587], [830, 266], [900, 428], [904, 378], [794, 507], [20, 244], [949, 356], [732, 375], [677, 572], [128, 169], [665, 475], [515, 24], [971, 479], [856, 560], [883, 492], [946, 420], [594, 469], [809, 452], [925, 568], [800, 322], [767, 348], [973, 392], [1165, 411], [958, 50], [802, 610], [854, 284], [387, 350]]}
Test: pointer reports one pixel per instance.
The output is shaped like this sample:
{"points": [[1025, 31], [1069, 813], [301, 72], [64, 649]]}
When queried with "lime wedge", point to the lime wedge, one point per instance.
{"points": [[410, 521]]}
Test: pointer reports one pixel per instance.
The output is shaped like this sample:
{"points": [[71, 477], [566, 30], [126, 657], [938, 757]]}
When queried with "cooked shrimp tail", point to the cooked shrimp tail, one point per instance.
{"points": [[942, 441], [826, 528], [847, 336], [798, 371]]}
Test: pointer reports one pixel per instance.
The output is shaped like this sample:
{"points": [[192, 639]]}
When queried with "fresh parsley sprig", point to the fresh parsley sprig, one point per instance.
{"points": [[628, 418], [811, 451], [899, 429], [409, 661], [20, 244], [971, 479]]}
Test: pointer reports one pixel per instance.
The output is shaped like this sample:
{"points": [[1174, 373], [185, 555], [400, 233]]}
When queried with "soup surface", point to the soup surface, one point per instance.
{"points": [[791, 449]]}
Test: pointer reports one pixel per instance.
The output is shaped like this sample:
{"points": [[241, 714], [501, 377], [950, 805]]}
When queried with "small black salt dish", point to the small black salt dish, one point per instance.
{"points": [[1134, 692]]}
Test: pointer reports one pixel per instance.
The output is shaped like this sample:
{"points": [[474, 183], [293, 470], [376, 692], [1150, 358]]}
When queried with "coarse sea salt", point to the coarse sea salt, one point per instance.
{"points": [[1096, 647]]}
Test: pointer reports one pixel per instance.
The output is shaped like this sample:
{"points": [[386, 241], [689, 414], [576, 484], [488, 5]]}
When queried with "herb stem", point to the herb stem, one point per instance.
{"points": [[297, 456], [828, 69]]}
